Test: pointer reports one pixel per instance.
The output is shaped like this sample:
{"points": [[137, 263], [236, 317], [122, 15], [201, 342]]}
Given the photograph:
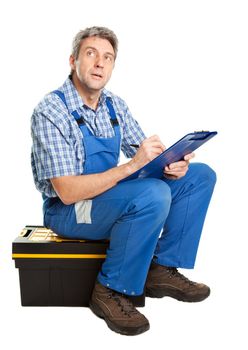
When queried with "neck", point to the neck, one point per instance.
{"points": [[89, 96]]}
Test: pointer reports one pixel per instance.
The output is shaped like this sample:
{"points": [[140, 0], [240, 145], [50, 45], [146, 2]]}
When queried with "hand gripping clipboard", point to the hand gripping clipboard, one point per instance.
{"points": [[176, 152]]}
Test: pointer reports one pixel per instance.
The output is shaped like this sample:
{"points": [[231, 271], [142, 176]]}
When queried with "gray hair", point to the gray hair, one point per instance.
{"points": [[100, 32]]}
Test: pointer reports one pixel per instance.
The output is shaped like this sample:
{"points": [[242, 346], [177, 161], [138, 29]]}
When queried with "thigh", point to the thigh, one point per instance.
{"points": [[94, 218]]}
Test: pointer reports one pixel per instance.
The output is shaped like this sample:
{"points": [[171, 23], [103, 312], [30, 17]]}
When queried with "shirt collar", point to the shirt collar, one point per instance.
{"points": [[105, 93], [74, 100]]}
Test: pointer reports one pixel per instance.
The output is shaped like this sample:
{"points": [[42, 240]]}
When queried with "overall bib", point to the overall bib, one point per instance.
{"points": [[144, 219], [101, 154]]}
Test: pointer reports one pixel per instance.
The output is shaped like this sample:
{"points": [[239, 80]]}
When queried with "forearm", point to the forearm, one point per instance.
{"points": [[72, 189]]}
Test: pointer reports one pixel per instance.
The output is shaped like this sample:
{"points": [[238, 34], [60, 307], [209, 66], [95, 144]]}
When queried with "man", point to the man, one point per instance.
{"points": [[154, 225]]}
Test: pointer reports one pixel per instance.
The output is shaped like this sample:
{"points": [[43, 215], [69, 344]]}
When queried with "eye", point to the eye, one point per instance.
{"points": [[90, 53], [109, 58]]}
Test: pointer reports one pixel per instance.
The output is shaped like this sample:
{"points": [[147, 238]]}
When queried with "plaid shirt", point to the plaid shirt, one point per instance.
{"points": [[58, 149]]}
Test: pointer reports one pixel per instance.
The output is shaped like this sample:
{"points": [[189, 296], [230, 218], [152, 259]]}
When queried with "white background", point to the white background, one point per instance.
{"points": [[182, 66]]}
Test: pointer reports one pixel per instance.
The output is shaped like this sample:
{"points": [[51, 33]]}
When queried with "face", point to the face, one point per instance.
{"points": [[94, 65]]}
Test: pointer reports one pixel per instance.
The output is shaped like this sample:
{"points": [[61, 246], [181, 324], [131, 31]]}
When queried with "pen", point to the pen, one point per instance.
{"points": [[135, 146]]}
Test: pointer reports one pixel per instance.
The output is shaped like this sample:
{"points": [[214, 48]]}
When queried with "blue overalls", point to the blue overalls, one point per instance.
{"points": [[144, 219]]}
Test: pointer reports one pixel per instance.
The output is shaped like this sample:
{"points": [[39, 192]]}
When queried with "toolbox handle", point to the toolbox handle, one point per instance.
{"points": [[29, 229], [27, 233]]}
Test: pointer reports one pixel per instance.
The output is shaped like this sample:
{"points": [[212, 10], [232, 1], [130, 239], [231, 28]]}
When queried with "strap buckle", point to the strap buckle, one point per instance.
{"points": [[114, 122], [80, 121]]}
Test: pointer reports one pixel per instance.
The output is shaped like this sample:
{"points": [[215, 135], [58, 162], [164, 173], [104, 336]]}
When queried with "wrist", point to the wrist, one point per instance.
{"points": [[131, 166]]}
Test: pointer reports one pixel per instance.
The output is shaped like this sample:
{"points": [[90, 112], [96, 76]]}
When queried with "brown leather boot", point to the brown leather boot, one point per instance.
{"points": [[167, 281], [118, 311]]}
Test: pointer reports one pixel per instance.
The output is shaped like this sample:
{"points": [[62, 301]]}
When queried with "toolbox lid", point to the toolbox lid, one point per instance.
{"points": [[40, 242]]}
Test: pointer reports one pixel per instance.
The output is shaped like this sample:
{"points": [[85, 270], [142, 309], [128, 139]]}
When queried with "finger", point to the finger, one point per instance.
{"points": [[176, 170], [170, 177], [154, 144], [155, 138], [189, 156], [175, 173], [159, 145], [180, 164]]}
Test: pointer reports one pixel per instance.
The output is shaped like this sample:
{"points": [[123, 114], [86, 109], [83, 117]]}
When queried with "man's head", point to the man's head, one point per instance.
{"points": [[100, 32], [94, 51]]}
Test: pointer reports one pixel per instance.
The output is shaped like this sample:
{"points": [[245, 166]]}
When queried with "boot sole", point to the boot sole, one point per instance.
{"points": [[121, 330], [175, 294]]}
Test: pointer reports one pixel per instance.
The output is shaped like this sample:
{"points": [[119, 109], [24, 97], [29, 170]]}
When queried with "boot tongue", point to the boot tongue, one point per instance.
{"points": [[174, 272], [124, 303], [172, 269]]}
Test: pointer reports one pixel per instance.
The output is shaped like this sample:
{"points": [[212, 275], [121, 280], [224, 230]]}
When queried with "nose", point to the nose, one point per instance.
{"points": [[99, 62]]}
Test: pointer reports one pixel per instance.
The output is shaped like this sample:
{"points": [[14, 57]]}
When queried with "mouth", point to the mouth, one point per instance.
{"points": [[97, 75]]}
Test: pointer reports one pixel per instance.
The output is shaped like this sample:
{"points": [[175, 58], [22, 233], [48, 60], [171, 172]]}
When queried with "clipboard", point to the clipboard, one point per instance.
{"points": [[176, 152]]}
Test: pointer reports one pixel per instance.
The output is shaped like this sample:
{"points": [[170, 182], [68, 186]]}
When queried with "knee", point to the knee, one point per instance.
{"points": [[159, 195], [152, 196], [204, 172], [208, 173]]}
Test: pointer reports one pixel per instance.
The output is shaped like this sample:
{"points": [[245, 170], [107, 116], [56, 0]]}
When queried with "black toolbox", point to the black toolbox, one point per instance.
{"points": [[55, 271]]}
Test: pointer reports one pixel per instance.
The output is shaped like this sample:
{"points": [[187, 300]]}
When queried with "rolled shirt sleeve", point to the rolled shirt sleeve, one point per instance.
{"points": [[56, 149], [53, 151]]}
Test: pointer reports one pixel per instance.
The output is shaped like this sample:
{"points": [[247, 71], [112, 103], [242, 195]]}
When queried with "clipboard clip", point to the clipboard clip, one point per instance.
{"points": [[201, 131]]}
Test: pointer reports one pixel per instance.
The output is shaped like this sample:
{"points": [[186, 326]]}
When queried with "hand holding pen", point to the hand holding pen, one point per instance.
{"points": [[149, 149]]}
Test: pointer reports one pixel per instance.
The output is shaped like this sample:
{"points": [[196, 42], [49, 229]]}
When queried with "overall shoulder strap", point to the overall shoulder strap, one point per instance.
{"points": [[111, 110], [113, 119], [61, 96], [80, 121]]}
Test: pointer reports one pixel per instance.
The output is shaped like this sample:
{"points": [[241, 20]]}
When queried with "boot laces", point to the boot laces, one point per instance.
{"points": [[123, 303], [175, 273]]}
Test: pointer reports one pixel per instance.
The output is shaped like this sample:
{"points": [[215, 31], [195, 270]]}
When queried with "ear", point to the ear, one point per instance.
{"points": [[72, 61]]}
